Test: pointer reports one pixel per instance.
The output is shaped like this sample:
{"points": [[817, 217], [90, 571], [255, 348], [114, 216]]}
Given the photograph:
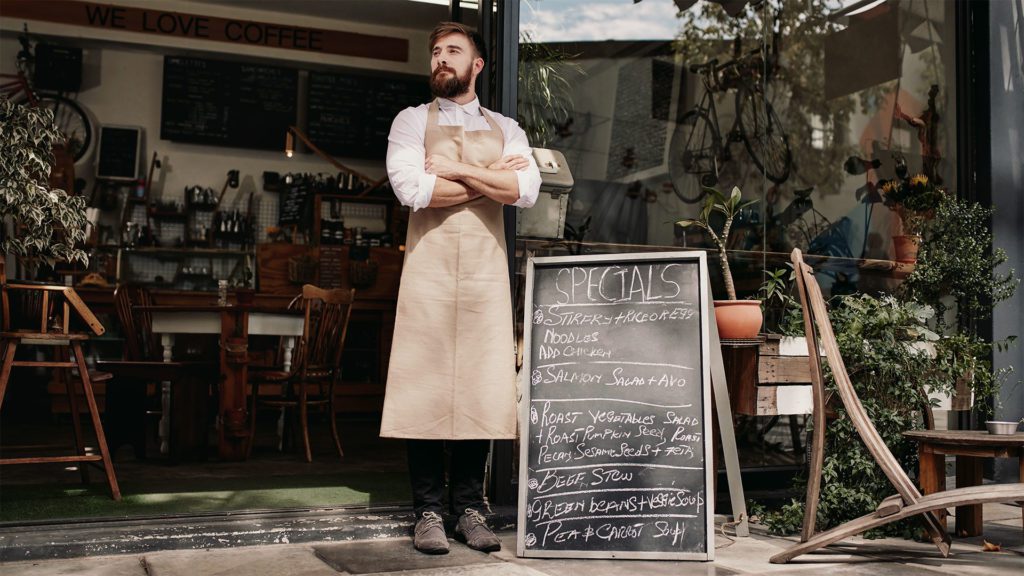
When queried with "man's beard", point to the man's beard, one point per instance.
{"points": [[450, 87]]}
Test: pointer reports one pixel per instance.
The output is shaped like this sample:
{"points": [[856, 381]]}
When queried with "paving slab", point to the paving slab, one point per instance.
{"points": [[293, 560], [88, 566]]}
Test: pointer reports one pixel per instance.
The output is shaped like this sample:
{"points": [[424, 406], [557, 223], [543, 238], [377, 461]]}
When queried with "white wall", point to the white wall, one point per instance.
{"points": [[122, 84]]}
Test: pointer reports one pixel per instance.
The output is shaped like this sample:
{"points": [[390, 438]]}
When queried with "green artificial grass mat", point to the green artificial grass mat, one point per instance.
{"points": [[42, 501]]}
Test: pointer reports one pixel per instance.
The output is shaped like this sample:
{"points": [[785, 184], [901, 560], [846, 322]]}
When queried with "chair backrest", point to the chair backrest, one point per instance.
{"points": [[816, 317], [137, 325], [43, 309], [326, 315]]}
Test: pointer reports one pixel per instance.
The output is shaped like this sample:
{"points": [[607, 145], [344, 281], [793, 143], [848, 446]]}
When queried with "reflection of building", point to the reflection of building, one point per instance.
{"points": [[892, 83]]}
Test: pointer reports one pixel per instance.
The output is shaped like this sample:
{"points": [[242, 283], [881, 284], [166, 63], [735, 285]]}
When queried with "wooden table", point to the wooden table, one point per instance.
{"points": [[969, 447], [234, 324]]}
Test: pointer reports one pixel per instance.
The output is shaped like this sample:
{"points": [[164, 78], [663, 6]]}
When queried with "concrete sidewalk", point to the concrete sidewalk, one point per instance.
{"points": [[390, 555]]}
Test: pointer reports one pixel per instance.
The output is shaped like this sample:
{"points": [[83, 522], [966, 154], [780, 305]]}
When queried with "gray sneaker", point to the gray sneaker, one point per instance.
{"points": [[429, 536], [472, 529]]}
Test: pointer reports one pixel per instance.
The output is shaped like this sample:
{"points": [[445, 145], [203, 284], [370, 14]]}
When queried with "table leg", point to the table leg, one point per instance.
{"points": [[1020, 478], [164, 428], [968, 518], [932, 474], [289, 346]]}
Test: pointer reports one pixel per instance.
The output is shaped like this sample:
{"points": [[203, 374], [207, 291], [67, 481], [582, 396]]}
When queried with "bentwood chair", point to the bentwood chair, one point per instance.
{"points": [[316, 366], [181, 387], [40, 315], [908, 501]]}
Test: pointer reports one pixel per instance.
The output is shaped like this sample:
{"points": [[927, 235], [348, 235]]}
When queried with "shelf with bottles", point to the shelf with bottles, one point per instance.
{"points": [[355, 221]]}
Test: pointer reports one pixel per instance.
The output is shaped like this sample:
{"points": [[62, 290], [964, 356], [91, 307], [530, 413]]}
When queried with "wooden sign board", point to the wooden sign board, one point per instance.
{"points": [[615, 419]]}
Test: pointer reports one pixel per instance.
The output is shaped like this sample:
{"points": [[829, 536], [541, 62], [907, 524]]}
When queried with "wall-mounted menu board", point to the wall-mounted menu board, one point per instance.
{"points": [[616, 411], [227, 103], [350, 115], [295, 204]]}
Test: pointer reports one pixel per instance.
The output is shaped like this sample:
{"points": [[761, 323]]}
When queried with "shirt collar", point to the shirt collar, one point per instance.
{"points": [[471, 108]]}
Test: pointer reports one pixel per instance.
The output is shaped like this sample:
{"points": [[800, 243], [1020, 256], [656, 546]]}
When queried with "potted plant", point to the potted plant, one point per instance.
{"points": [[957, 269], [914, 200], [47, 222], [735, 318]]}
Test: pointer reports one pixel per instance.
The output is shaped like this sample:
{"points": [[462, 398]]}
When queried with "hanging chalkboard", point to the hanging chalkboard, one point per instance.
{"points": [[350, 115], [616, 409], [295, 204], [227, 103]]}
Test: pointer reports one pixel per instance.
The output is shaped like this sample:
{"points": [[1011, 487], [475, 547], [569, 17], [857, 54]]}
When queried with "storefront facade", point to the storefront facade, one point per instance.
{"points": [[808, 108]]}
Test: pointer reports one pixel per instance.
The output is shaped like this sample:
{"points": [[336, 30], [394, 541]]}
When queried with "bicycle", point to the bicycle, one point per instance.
{"points": [[68, 115], [697, 152]]}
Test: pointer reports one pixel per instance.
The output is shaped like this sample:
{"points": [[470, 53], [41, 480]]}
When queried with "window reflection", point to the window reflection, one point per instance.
{"points": [[806, 105]]}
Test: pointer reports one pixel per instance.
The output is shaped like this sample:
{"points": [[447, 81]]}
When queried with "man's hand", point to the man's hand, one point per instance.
{"points": [[443, 167], [513, 162]]}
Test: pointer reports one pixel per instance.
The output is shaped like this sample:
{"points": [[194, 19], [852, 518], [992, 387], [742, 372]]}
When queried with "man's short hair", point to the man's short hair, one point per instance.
{"points": [[445, 28]]}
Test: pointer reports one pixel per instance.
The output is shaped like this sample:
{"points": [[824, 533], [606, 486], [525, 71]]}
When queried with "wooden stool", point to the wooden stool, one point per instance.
{"points": [[39, 304], [968, 447]]}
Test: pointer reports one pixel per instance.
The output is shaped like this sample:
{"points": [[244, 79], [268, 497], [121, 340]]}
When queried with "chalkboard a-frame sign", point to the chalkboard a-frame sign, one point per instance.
{"points": [[615, 417]]}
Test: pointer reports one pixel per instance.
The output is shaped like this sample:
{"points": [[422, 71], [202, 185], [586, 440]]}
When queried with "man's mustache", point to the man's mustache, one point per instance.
{"points": [[440, 69]]}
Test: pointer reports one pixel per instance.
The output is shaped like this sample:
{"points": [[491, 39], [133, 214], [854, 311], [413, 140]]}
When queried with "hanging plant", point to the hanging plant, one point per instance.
{"points": [[48, 223]]}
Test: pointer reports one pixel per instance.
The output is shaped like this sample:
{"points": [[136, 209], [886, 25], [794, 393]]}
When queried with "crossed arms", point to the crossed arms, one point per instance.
{"points": [[457, 182], [436, 181]]}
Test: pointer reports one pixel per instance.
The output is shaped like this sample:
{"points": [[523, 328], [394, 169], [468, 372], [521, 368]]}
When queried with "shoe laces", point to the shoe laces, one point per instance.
{"points": [[429, 520], [475, 517]]}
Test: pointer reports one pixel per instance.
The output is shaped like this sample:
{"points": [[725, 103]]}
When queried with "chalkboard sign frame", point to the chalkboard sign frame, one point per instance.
{"points": [[127, 172], [706, 316]]}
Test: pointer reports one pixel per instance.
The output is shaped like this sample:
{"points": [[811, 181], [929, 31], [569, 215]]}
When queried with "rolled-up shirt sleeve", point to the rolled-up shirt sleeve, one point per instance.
{"points": [[405, 159], [529, 177]]}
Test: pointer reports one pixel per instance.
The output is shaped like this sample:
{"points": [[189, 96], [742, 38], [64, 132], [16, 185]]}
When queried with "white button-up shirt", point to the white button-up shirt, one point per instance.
{"points": [[406, 152]]}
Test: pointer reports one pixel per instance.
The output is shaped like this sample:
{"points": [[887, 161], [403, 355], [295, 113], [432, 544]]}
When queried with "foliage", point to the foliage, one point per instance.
{"points": [[545, 92], [890, 374], [956, 260], [776, 301], [49, 222], [730, 207], [914, 199]]}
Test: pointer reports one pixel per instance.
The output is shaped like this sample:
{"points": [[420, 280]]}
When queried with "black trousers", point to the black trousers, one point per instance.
{"points": [[466, 474]]}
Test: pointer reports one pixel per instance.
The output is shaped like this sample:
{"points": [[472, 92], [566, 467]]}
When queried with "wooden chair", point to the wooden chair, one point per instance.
{"points": [[185, 398], [316, 365], [41, 315], [907, 501]]}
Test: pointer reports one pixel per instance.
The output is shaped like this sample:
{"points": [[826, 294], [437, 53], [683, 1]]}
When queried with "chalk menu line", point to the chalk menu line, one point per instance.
{"points": [[623, 302], [617, 465], [616, 516], [656, 364], [609, 400], [601, 491]]}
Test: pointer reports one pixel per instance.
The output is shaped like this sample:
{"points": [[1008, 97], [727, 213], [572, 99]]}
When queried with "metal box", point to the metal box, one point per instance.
{"points": [[546, 219]]}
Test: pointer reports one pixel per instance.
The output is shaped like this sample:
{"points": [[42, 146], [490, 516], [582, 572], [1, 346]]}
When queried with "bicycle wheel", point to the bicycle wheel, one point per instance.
{"points": [[72, 121], [763, 135], [695, 154]]}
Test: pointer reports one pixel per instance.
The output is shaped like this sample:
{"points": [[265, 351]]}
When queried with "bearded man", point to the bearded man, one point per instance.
{"points": [[451, 379]]}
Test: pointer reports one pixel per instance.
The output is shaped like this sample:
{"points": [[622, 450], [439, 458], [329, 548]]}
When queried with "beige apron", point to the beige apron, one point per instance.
{"points": [[452, 372]]}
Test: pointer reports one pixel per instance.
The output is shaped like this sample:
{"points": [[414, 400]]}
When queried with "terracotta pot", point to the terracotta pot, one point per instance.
{"points": [[906, 247], [738, 318]]}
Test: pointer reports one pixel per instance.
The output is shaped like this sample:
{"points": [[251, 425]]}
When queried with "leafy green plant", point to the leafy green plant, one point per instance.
{"points": [[48, 222], [776, 301], [957, 261], [545, 90], [957, 268], [730, 207], [879, 341]]}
